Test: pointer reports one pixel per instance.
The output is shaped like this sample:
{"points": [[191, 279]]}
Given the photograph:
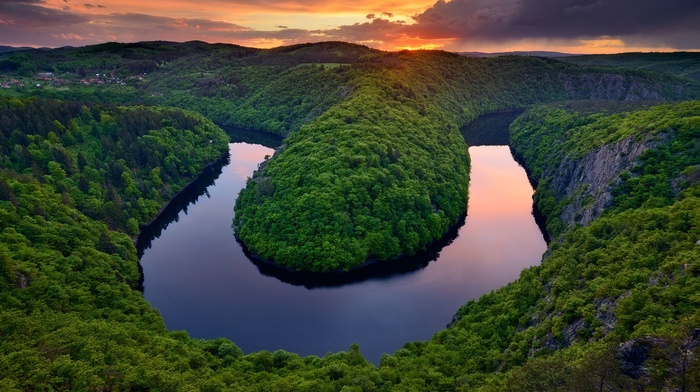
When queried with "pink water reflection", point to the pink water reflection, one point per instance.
{"points": [[198, 277], [500, 236]]}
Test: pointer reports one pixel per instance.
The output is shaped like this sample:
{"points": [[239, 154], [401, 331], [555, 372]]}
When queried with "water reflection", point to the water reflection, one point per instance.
{"points": [[190, 195], [200, 279]]}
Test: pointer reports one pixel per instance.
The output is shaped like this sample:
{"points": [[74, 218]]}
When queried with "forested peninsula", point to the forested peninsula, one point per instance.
{"points": [[385, 173], [373, 167]]}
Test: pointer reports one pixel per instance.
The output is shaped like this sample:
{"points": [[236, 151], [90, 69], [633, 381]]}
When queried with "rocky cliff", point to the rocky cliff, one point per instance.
{"points": [[586, 184], [616, 86]]}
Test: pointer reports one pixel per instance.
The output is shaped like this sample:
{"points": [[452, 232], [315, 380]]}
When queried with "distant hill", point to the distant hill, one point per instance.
{"points": [[684, 64], [4, 49], [373, 167], [517, 53]]}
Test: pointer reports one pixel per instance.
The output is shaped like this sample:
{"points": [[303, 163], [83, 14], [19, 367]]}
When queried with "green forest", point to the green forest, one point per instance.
{"points": [[94, 141]]}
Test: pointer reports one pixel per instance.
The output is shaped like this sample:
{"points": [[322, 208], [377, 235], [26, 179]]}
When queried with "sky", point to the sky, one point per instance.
{"points": [[571, 26]]}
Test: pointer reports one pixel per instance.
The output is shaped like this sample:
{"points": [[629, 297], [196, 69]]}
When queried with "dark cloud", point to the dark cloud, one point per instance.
{"points": [[377, 30], [32, 14], [669, 22], [130, 27], [464, 23], [119, 23]]}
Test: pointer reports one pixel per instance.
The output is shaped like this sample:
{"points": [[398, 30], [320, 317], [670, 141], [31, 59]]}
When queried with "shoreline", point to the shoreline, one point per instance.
{"points": [[370, 269], [135, 238]]}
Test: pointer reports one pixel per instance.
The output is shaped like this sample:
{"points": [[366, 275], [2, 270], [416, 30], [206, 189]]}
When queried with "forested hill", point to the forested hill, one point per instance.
{"points": [[376, 119], [684, 64], [612, 304], [373, 167], [276, 90], [116, 164], [384, 173]]}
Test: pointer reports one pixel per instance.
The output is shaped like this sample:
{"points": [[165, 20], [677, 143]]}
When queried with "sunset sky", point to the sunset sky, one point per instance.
{"points": [[573, 26]]}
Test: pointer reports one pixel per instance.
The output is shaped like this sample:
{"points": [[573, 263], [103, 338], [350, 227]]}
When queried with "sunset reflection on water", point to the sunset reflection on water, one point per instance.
{"points": [[199, 278]]}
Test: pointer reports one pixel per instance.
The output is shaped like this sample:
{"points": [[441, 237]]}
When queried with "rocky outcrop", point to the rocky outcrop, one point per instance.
{"points": [[22, 281], [604, 313], [671, 356], [587, 182], [612, 86]]}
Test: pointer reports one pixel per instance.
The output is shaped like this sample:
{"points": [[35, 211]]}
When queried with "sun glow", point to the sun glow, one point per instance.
{"points": [[387, 25]]}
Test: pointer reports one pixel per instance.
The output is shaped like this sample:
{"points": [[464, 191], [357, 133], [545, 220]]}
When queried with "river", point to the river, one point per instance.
{"points": [[198, 277]]}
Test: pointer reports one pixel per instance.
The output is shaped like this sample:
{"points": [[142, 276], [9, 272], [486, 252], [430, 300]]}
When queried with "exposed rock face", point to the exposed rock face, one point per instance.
{"points": [[633, 354], [605, 313], [608, 86], [671, 356], [588, 182], [22, 281], [568, 336]]}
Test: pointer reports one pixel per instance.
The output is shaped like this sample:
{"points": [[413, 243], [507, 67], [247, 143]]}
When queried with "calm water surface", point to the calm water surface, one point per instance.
{"points": [[197, 276]]}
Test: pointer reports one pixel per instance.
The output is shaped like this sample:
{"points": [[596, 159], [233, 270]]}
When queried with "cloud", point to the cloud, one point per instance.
{"points": [[276, 7], [31, 14], [376, 30], [455, 24], [671, 22], [29, 22], [383, 34]]}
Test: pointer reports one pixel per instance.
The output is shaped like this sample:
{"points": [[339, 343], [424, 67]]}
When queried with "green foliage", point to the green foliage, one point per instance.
{"points": [[249, 88], [360, 182], [546, 137], [112, 163], [384, 173], [375, 167], [686, 64]]}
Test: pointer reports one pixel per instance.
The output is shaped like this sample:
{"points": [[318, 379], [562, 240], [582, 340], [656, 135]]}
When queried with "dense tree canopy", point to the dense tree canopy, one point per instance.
{"points": [[115, 164], [384, 173], [374, 167]]}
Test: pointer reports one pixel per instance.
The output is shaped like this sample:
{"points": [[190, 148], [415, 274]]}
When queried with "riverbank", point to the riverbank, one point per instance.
{"points": [[220, 161]]}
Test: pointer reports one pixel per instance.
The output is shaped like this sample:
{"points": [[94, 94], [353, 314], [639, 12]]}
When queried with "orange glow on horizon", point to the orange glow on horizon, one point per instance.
{"points": [[383, 24], [237, 10], [486, 198], [600, 45]]}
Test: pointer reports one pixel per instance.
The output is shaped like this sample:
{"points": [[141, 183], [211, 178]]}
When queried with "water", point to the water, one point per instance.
{"points": [[198, 277]]}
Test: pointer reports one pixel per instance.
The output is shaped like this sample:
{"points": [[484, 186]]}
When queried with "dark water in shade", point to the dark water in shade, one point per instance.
{"points": [[198, 277]]}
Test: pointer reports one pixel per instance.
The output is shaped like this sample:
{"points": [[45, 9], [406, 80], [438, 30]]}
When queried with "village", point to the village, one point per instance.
{"points": [[44, 79]]}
